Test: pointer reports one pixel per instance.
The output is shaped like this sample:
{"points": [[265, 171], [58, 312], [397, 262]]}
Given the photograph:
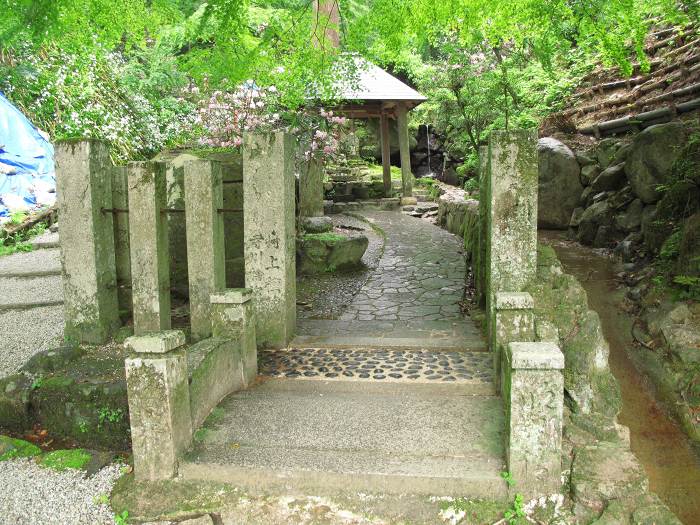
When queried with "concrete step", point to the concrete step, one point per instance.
{"points": [[450, 336], [325, 437], [38, 263], [47, 239], [30, 292]]}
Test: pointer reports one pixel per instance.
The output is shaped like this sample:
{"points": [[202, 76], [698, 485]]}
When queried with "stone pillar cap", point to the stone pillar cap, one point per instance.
{"points": [[156, 342], [514, 301], [232, 296], [535, 356]]}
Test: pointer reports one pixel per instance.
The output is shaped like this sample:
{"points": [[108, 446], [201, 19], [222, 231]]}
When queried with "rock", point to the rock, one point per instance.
{"points": [[688, 262], [655, 232], [606, 151], [559, 184], [622, 153], [654, 514], [604, 237], [54, 227], [408, 201], [612, 178], [326, 252], [11, 448], [15, 402], [425, 207], [408, 208], [584, 159], [576, 217], [622, 198], [596, 215], [589, 173], [651, 157], [683, 341], [606, 472], [317, 224], [631, 218], [586, 196]]}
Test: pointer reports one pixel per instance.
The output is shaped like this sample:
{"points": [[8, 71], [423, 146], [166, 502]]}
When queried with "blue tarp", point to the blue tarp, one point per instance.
{"points": [[27, 177]]}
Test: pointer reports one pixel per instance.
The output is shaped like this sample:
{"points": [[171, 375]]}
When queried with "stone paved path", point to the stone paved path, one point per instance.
{"points": [[420, 276]]}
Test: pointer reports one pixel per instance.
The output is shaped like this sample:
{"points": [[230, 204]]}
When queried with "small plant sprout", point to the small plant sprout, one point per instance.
{"points": [[508, 478]]}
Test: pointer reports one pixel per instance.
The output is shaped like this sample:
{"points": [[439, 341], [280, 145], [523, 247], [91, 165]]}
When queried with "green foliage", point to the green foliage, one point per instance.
{"points": [[109, 415], [670, 247], [689, 287], [516, 513], [324, 237], [508, 478], [122, 518], [471, 185]]}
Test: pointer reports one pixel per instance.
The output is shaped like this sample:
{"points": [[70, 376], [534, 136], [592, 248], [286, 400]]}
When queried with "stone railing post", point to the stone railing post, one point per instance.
{"points": [[311, 189], [205, 240], [269, 236], [148, 241], [511, 219], [120, 202], [233, 318], [480, 260], [534, 398], [84, 192], [159, 403], [514, 321]]}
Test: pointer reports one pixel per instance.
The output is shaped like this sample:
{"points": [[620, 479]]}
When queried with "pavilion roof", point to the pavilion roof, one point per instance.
{"points": [[373, 86]]}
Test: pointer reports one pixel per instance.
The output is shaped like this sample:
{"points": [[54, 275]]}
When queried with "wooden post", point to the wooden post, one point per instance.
{"points": [[386, 153], [406, 175]]}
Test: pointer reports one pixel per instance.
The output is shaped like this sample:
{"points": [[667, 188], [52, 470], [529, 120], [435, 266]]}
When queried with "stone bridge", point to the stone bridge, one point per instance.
{"points": [[404, 391]]}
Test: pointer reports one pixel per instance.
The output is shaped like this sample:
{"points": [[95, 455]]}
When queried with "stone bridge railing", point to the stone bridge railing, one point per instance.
{"points": [[117, 248], [500, 234]]}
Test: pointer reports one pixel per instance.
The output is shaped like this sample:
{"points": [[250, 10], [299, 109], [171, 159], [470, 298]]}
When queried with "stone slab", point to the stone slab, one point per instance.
{"points": [[536, 356], [318, 435], [156, 343], [232, 296], [514, 301]]}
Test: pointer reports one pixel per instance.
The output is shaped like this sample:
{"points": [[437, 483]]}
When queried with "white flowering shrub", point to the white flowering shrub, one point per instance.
{"points": [[71, 96]]}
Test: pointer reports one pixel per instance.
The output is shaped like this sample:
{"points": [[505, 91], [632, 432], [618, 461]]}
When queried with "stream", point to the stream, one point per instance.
{"points": [[672, 465]]}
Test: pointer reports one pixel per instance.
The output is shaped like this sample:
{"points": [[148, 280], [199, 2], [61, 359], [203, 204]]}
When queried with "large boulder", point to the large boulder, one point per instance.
{"points": [[559, 184], [328, 252], [612, 178], [651, 157]]}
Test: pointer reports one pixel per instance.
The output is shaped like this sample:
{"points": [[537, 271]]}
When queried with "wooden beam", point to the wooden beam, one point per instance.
{"points": [[406, 175], [386, 153]]}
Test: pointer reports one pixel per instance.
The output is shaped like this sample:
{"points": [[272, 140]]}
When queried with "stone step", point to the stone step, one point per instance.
{"points": [[328, 437], [470, 371], [47, 239], [447, 344], [30, 292], [38, 263]]}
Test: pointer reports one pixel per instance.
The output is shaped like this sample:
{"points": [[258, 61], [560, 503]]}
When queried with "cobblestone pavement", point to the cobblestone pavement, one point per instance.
{"points": [[420, 276], [387, 365]]}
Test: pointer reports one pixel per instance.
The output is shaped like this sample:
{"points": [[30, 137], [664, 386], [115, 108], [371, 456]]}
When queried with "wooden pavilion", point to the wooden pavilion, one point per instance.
{"points": [[374, 93]]}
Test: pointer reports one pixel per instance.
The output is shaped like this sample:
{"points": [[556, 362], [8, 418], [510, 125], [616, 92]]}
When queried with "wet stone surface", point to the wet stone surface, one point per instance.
{"points": [[421, 274], [380, 365]]}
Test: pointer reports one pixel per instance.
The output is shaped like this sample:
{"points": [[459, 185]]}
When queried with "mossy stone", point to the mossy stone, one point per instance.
{"points": [[11, 448]]}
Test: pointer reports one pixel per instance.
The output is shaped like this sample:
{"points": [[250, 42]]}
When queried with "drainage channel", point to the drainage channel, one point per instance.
{"points": [[671, 463]]}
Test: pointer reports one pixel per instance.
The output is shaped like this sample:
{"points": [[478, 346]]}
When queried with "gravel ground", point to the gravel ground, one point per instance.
{"points": [[28, 262], [34, 495], [26, 332]]}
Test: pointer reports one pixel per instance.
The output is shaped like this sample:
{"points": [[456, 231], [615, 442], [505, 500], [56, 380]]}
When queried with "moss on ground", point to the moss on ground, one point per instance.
{"points": [[11, 448], [324, 237], [61, 460]]}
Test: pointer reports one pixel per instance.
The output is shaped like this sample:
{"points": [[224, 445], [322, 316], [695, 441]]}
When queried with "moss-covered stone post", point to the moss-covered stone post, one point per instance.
{"points": [[385, 137], [148, 240], [205, 240], [515, 321], [511, 215], [84, 195], [120, 202], [233, 318], [270, 253], [534, 398], [481, 261], [311, 189], [159, 403], [404, 150]]}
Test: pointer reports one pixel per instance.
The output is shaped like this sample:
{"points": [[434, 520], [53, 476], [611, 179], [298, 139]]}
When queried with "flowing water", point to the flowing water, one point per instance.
{"points": [[672, 464]]}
